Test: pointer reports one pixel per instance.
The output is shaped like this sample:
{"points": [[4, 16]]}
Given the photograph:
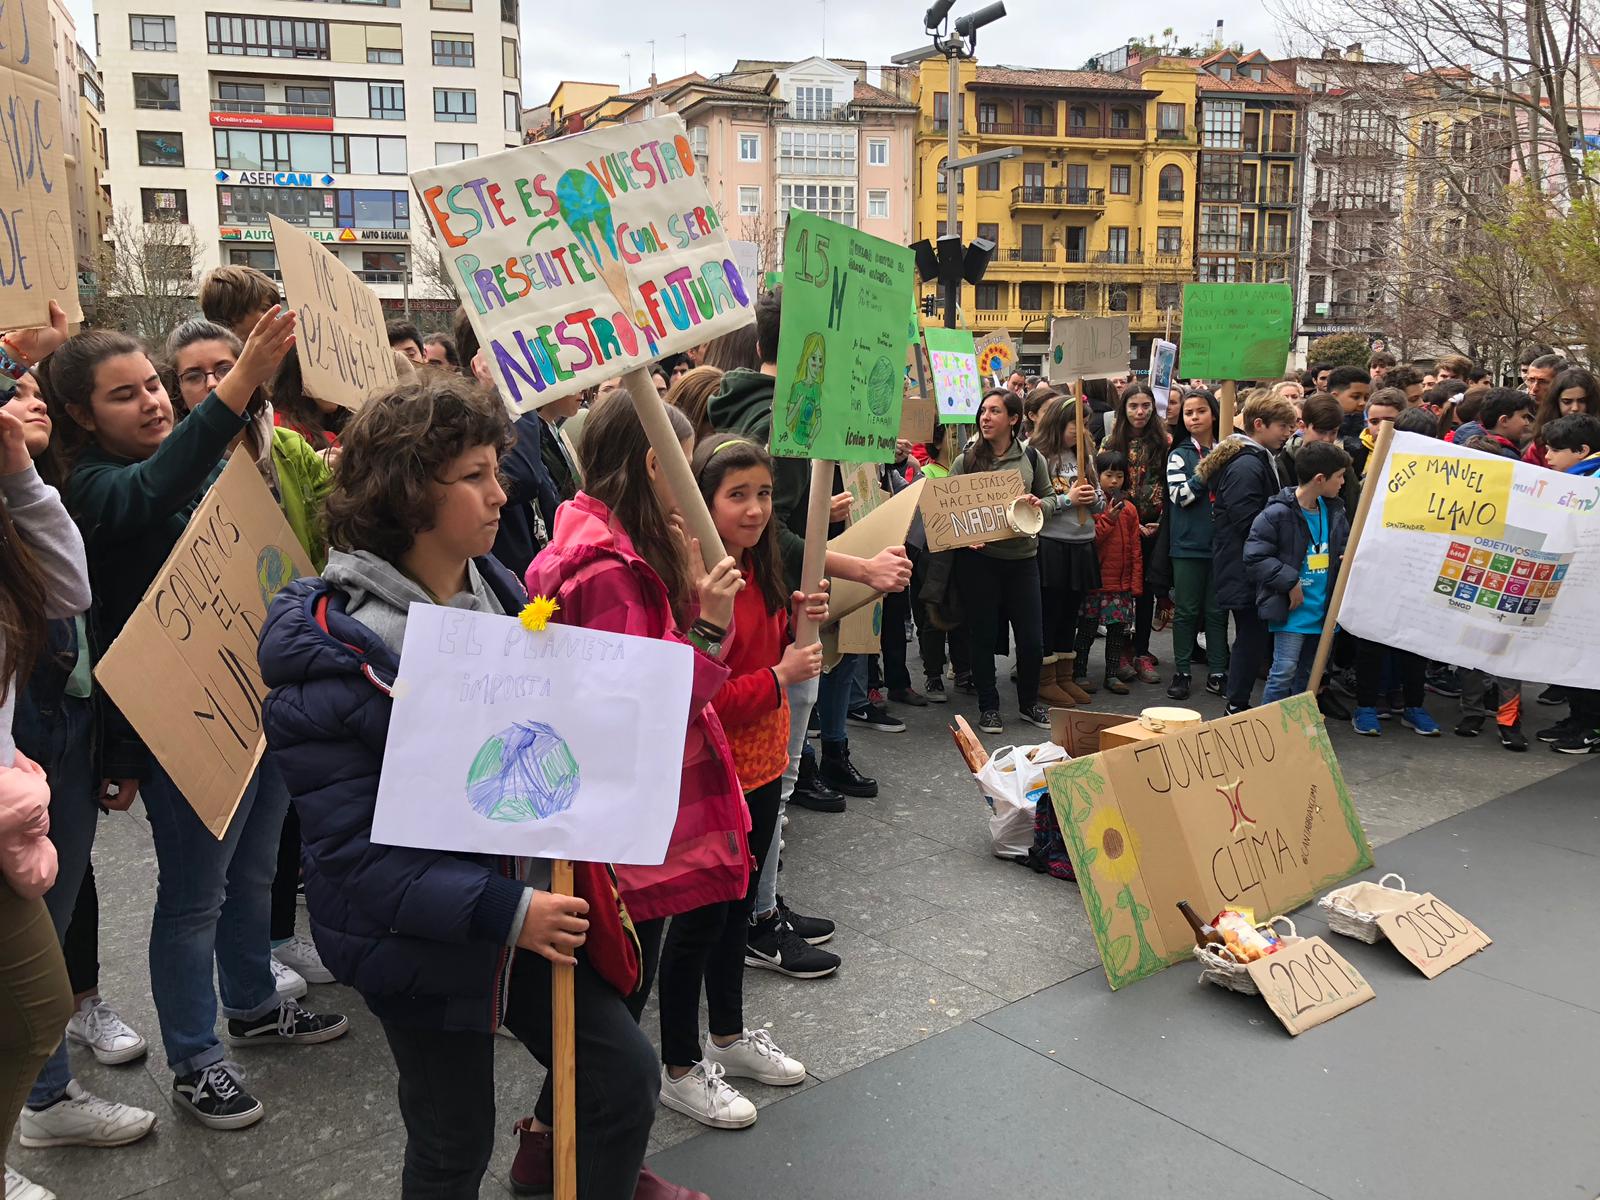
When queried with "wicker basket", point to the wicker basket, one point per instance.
{"points": [[1222, 970], [1345, 916]]}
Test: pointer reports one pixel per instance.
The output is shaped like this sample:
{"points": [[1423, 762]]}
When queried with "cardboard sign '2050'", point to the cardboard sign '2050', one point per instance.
{"points": [[1249, 811], [581, 258]]}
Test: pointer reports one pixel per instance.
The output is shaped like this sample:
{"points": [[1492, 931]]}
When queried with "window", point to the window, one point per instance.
{"points": [[510, 61], [316, 208], [1036, 122], [878, 204], [1219, 227], [453, 50], [386, 101], [836, 202], [1121, 118], [1074, 296], [383, 266], [1032, 248], [1277, 233], [1213, 269], [749, 147], [1078, 117], [455, 104], [1219, 177], [989, 177], [511, 112], [1222, 124], [941, 110], [164, 204], [877, 152], [1117, 244], [1170, 183], [265, 261], [266, 37], [452, 5], [313, 101], [450, 152], [1077, 243], [1169, 239], [508, 12], [155, 91], [989, 232], [699, 142], [1278, 191], [1169, 121], [749, 202], [153, 33], [241, 97], [326, 153], [806, 152], [1030, 297], [1169, 295], [812, 104], [1121, 180], [961, 180], [986, 297], [1122, 297], [160, 149]]}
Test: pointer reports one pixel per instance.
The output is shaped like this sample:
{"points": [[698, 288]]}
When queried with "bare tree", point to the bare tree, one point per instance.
{"points": [[430, 274], [762, 232], [147, 274]]}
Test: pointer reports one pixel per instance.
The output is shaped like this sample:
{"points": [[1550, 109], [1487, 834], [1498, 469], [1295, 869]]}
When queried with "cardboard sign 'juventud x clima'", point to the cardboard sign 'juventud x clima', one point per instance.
{"points": [[1249, 811]]}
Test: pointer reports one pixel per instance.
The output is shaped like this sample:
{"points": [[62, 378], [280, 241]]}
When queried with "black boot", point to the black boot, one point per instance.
{"points": [[810, 792], [839, 772]]}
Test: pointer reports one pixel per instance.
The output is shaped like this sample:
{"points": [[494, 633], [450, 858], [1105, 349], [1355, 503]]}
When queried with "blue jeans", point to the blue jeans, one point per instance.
{"points": [[60, 738], [213, 901], [802, 696], [1292, 656], [833, 699]]}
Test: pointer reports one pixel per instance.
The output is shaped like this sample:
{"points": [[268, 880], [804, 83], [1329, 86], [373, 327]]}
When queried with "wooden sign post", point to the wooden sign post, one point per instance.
{"points": [[564, 1056], [674, 464], [814, 563], [1380, 455], [1085, 468], [1227, 399]]}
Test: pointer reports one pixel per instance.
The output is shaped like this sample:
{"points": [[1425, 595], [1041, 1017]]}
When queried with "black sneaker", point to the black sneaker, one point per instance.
{"points": [[1038, 716], [1345, 681], [810, 792], [1553, 695], [1178, 689], [1469, 726], [1218, 683], [1512, 738], [214, 1096], [1554, 733], [964, 683], [812, 930], [1444, 683], [1578, 741], [989, 721], [1331, 706], [933, 691], [908, 695], [291, 1025], [838, 772], [875, 716], [773, 945]]}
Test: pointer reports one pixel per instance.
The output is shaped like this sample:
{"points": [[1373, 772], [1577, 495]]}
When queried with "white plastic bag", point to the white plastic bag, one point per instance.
{"points": [[1012, 782]]}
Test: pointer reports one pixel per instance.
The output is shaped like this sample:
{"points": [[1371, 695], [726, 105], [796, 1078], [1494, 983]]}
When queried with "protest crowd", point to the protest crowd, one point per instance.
{"points": [[432, 493]]}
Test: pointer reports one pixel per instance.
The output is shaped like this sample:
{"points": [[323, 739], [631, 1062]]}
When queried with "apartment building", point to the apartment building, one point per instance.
{"points": [[222, 114], [1094, 219], [90, 235]]}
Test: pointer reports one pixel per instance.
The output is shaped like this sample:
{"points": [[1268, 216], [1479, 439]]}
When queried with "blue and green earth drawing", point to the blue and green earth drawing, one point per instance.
{"points": [[523, 773]]}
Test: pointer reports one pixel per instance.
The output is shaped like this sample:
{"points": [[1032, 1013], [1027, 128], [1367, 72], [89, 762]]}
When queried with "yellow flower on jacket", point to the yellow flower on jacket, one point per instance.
{"points": [[1118, 860], [537, 612]]}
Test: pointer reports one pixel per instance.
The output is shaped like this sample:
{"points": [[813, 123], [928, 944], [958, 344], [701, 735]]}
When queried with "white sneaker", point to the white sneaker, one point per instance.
{"points": [[18, 1188], [300, 955], [79, 1119], [98, 1026], [755, 1056], [704, 1095], [291, 984]]}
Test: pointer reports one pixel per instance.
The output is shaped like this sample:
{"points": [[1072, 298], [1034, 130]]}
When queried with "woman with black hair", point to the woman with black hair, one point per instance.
{"points": [[1139, 436]]}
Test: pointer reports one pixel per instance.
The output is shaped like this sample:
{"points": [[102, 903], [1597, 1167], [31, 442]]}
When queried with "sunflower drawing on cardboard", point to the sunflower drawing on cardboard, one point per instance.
{"points": [[1246, 812]]}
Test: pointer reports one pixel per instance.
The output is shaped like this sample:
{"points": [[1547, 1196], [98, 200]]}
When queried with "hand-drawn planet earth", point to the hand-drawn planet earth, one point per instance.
{"points": [[881, 385], [274, 572], [525, 772]]}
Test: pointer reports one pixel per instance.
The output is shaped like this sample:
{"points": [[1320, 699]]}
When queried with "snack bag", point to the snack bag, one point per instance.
{"points": [[1238, 929]]}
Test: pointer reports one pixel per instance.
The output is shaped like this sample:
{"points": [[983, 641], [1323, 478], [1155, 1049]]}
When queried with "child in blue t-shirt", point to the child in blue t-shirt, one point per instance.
{"points": [[1292, 558]]}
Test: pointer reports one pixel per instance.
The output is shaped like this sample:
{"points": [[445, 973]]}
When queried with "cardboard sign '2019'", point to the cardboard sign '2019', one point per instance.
{"points": [[1249, 811]]}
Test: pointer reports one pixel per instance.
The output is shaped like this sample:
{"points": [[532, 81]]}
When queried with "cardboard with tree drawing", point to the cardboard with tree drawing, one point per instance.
{"points": [[1249, 811]]}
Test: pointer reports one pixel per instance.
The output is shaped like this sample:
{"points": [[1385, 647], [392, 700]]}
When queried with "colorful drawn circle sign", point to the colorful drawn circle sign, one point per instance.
{"points": [[881, 386], [274, 572], [1058, 354]]}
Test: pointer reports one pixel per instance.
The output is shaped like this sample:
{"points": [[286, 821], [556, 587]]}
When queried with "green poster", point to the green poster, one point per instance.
{"points": [[842, 344], [1235, 330]]}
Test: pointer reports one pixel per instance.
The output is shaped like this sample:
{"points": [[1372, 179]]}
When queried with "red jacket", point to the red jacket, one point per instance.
{"points": [[1116, 541], [593, 571], [753, 709]]}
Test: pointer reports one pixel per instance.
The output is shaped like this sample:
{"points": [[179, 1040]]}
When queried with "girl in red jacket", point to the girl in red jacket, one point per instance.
{"points": [[1116, 542]]}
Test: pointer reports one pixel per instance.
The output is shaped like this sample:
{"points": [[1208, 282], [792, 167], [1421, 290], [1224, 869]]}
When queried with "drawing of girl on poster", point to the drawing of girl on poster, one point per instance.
{"points": [[805, 396]]}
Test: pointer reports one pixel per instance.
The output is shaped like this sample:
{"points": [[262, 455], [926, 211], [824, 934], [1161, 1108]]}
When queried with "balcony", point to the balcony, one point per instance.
{"points": [[1059, 198], [1353, 204], [272, 107], [1006, 127], [382, 276], [829, 116], [1279, 198], [1355, 148], [1335, 312], [1181, 136], [1168, 196], [1043, 256], [1127, 133], [1120, 258]]}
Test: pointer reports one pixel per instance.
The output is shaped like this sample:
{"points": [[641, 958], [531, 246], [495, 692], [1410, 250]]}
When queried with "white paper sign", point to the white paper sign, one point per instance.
{"points": [[562, 744], [1479, 570], [581, 258], [1163, 358]]}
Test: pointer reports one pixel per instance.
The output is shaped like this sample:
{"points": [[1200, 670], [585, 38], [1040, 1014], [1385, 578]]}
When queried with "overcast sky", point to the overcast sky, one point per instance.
{"points": [[1034, 33]]}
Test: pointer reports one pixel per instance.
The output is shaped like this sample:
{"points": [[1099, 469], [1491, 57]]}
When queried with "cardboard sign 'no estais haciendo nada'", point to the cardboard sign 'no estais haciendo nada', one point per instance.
{"points": [[968, 510]]}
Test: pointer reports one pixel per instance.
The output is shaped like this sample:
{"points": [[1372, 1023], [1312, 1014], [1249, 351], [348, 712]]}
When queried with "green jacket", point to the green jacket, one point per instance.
{"points": [[1035, 479], [304, 481], [743, 404]]}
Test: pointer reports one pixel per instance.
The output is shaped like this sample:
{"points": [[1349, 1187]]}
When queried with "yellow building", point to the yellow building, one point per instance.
{"points": [[1094, 219]]}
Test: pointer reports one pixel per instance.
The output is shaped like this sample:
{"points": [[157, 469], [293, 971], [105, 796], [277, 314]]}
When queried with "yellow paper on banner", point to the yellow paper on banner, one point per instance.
{"points": [[1463, 496]]}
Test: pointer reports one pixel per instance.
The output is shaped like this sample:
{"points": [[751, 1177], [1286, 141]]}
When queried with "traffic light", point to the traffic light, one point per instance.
{"points": [[930, 306]]}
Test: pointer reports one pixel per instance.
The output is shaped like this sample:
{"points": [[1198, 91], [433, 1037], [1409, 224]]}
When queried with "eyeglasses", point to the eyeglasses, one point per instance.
{"points": [[195, 377]]}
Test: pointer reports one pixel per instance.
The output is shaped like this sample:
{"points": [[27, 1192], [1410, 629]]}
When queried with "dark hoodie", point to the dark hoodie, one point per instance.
{"points": [[1242, 475], [743, 405]]}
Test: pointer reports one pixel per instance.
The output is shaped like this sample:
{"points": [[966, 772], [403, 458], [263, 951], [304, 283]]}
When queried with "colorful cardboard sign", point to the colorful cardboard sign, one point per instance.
{"points": [[954, 364], [1236, 330], [842, 346], [341, 336], [581, 258], [997, 355], [183, 670], [1087, 348], [1435, 493], [1249, 811], [565, 743]]}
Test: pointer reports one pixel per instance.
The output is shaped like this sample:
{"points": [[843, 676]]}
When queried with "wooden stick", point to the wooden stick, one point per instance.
{"points": [[1083, 466], [1226, 400], [564, 1053], [1374, 479], [815, 563], [669, 452]]}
